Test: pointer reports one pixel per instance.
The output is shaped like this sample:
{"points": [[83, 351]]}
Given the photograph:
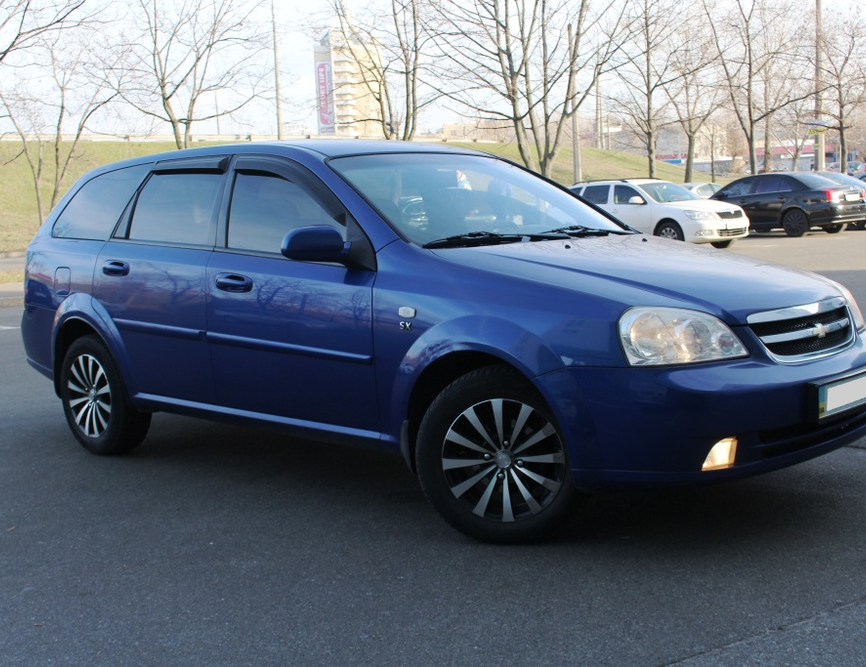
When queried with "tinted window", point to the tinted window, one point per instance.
{"points": [[176, 208], [265, 207], [772, 184], [597, 194], [623, 193], [738, 188], [814, 181], [96, 207]]}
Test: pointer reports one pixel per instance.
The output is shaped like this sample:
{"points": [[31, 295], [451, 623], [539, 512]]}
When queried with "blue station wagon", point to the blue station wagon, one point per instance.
{"points": [[511, 342]]}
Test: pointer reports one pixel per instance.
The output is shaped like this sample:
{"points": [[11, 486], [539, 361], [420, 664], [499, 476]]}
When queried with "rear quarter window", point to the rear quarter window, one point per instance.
{"points": [[95, 209]]}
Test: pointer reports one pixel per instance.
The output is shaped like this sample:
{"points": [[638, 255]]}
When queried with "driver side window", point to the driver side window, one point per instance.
{"points": [[622, 194], [265, 207]]}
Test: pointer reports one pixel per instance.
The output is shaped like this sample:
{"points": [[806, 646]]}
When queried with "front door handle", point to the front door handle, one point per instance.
{"points": [[114, 267], [233, 282]]}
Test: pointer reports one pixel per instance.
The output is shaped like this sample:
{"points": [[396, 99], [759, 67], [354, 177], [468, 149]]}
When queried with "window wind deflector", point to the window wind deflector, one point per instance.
{"points": [[211, 164]]}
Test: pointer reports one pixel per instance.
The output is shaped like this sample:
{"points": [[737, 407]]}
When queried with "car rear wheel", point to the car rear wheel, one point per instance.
{"points": [[94, 400], [795, 223], [833, 229], [491, 460], [670, 230]]}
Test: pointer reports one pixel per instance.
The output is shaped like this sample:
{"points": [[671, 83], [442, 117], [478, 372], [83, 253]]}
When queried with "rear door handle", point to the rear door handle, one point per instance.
{"points": [[114, 267], [233, 282]]}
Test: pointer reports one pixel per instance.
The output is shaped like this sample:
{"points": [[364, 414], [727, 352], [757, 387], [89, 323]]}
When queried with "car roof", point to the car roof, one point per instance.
{"points": [[322, 148], [609, 181]]}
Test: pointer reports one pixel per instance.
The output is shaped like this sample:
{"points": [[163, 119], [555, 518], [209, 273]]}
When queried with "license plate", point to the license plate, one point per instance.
{"points": [[841, 395], [850, 196]]}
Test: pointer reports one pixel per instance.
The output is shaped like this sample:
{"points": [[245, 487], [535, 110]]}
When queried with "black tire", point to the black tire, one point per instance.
{"points": [[95, 403], [833, 229], [491, 460], [670, 230], [722, 244], [860, 224], [795, 223]]}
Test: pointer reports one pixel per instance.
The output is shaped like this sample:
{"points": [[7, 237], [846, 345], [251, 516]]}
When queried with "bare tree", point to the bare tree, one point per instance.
{"points": [[23, 22], [529, 64], [62, 88], [191, 49], [652, 61], [844, 72], [693, 88], [759, 50], [388, 47]]}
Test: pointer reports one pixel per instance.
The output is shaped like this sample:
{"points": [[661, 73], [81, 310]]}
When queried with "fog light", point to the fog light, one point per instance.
{"points": [[722, 455]]}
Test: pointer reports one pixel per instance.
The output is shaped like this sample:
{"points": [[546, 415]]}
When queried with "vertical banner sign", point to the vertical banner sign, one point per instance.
{"points": [[324, 91]]}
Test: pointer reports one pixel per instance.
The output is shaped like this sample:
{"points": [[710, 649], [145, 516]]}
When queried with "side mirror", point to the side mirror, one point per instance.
{"points": [[315, 243], [719, 195], [636, 200]]}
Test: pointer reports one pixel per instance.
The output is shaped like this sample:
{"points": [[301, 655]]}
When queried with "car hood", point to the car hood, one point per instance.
{"points": [[641, 270], [701, 205]]}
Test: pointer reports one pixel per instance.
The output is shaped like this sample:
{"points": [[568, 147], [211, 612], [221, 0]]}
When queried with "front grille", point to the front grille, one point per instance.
{"points": [[732, 232], [728, 215], [812, 330]]}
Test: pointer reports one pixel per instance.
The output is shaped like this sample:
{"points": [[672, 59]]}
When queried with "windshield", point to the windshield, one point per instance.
{"points": [[432, 196], [663, 191]]}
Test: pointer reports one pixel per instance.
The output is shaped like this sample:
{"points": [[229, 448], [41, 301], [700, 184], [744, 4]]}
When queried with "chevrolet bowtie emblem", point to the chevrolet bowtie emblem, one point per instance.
{"points": [[819, 330]]}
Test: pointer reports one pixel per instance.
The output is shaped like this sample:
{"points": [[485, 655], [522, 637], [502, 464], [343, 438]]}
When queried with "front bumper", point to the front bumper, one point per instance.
{"points": [[642, 426]]}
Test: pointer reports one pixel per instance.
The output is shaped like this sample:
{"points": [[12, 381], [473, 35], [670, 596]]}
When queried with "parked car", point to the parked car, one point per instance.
{"points": [[668, 210], [794, 201], [511, 342], [703, 190], [851, 181]]}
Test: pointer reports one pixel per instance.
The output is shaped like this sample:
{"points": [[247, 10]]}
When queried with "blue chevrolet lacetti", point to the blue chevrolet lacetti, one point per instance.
{"points": [[510, 341]]}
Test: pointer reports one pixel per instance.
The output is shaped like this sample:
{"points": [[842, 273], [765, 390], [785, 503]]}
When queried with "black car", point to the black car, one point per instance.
{"points": [[845, 179], [795, 202]]}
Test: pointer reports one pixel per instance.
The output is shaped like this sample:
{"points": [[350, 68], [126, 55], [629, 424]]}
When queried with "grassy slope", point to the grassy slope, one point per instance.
{"points": [[19, 219]]}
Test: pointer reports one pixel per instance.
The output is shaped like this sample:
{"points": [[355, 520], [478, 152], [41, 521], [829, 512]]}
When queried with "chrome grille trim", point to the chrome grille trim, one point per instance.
{"points": [[805, 332], [732, 232], [794, 312]]}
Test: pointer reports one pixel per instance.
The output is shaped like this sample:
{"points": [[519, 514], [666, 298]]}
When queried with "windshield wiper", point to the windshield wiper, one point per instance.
{"points": [[580, 230], [473, 239], [492, 238]]}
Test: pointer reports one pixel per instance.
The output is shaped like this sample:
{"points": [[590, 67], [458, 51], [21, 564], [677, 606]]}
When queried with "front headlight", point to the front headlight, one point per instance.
{"points": [[857, 316], [700, 215], [662, 336]]}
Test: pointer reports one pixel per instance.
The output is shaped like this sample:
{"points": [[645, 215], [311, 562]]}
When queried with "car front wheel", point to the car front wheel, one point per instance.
{"points": [[491, 460], [833, 229], [94, 400], [670, 230]]}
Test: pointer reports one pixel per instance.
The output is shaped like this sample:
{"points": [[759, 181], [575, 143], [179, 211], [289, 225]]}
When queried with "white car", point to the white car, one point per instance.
{"points": [[665, 209]]}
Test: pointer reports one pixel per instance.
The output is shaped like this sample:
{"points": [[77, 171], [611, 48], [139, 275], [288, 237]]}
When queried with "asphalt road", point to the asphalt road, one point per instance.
{"points": [[215, 545]]}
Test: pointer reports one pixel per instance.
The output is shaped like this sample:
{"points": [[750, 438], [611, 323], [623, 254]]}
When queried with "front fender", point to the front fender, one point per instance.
{"points": [[495, 337]]}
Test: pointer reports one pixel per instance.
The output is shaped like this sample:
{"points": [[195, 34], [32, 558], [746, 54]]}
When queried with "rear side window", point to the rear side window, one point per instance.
{"points": [[597, 194], [176, 207], [97, 206]]}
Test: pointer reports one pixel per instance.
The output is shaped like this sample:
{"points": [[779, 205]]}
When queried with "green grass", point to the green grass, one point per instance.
{"points": [[19, 219], [11, 277]]}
